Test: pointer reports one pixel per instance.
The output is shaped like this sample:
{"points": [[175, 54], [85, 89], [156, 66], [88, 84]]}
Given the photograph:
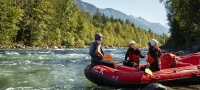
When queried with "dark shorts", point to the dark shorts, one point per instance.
{"points": [[155, 67], [131, 64]]}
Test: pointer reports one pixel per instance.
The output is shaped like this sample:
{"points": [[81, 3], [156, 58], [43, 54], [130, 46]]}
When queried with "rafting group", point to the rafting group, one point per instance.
{"points": [[133, 54], [159, 68]]}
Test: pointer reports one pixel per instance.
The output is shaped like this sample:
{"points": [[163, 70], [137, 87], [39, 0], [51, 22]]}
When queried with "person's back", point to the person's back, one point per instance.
{"points": [[97, 52]]}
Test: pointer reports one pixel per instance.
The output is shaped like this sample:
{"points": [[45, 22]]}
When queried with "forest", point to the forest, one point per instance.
{"points": [[183, 18], [61, 23]]}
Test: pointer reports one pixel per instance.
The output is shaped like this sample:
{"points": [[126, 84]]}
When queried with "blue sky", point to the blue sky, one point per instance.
{"points": [[151, 10]]}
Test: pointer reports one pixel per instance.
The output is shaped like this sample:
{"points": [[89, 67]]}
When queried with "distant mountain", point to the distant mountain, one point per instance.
{"points": [[86, 6], [117, 14], [156, 27], [138, 21]]}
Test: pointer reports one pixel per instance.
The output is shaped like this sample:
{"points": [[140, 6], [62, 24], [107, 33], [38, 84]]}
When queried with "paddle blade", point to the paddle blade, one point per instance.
{"points": [[116, 62], [108, 57], [148, 71]]}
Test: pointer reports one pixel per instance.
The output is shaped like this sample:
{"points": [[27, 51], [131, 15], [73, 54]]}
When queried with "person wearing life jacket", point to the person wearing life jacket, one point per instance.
{"points": [[154, 55], [97, 50], [133, 54], [97, 54]]}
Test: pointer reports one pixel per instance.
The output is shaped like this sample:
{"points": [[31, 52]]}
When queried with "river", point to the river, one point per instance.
{"points": [[60, 69]]}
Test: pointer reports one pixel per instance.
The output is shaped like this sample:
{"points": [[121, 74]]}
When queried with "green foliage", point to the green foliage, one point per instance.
{"points": [[184, 19], [9, 18], [60, 23]]}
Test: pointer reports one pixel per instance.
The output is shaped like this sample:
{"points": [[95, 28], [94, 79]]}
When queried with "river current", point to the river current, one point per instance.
{"points": [[48, 69], [60, 69]]}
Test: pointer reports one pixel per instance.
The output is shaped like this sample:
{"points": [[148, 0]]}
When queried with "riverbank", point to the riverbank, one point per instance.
{"points": [[181, 50], [178, 50], [19, 46]]}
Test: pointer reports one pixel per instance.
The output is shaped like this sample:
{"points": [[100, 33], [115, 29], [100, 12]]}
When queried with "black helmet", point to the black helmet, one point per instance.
{"points": [[98, 36]]}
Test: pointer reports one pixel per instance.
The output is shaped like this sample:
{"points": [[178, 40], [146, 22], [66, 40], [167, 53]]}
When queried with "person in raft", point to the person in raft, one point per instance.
{"points": [[133, 54], [96, 53], [154, 55]]}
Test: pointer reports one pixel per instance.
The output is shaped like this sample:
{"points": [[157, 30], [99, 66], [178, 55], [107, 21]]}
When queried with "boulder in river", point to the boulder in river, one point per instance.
{"points": [[155, 86]]}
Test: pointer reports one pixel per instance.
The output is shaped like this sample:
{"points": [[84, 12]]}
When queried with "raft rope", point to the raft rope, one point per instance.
{"points": [[175, 71]]}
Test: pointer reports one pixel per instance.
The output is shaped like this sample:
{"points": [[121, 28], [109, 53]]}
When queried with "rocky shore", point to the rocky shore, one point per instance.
{"points": [[19, 46], [180, 50]]}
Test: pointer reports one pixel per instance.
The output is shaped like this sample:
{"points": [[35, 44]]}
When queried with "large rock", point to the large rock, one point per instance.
{"points": [[155, 86]]}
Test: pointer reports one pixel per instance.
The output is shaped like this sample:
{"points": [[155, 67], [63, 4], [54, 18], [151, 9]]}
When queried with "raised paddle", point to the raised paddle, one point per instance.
{"points": [[108, 57]]}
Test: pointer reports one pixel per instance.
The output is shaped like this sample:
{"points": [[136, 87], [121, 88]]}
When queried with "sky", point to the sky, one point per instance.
{"points": [[150, 10]]}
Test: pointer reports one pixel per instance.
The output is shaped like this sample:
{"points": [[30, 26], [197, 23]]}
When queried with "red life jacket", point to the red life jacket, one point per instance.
{"points": [[151, 59], [133, 57]]}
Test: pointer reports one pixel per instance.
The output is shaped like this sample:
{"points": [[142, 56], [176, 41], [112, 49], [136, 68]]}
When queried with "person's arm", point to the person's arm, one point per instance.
{"points": [[159, 53], [126, 55], [99, 50], [140, 54]]}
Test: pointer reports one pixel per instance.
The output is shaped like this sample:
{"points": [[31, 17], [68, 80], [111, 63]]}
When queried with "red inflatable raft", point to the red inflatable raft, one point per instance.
{"points": [[173, 68]]}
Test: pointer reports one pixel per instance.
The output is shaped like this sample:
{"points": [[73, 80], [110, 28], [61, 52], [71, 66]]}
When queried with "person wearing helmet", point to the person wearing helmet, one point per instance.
{"points": [[133, 54], [96, 50], [154, 55], [97, 53]]}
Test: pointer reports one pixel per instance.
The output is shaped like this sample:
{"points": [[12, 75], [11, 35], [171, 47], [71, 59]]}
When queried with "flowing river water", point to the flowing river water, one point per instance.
{"points": [[60, 69]]}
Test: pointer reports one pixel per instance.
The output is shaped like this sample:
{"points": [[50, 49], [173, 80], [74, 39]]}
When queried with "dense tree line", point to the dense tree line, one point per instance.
{"points": [[184, 20], [61, 23]]}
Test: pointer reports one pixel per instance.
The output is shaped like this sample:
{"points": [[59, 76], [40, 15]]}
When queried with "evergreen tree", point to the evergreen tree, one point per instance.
{"points": [[63, 16], [10, 16], [55, 23], [183, 17]]}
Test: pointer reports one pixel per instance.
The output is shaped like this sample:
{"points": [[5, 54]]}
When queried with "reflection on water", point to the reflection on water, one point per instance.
{"points": [[49, 69]]}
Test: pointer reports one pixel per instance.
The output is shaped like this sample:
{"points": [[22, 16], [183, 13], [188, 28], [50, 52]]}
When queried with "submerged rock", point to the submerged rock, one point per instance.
{"points": [[155, 86]]}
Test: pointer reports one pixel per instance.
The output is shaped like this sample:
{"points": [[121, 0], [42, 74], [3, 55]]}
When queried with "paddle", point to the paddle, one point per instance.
{"points": [[118, 62], [108, 57], [148, 71]]}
